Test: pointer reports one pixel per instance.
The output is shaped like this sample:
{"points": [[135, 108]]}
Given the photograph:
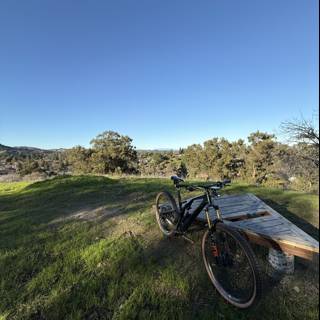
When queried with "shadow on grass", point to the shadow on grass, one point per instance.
{"points": [[49, 204], [44, 201]]}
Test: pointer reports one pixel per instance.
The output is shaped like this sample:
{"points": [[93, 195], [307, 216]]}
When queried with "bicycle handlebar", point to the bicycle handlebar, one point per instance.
{"points": [[215, 185]]}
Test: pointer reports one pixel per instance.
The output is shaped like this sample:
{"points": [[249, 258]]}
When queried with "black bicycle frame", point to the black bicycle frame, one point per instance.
{"points": [[186, 220]]}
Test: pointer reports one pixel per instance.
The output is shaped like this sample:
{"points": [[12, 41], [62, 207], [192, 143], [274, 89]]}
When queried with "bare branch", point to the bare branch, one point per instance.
{"points": [[301, 131]]}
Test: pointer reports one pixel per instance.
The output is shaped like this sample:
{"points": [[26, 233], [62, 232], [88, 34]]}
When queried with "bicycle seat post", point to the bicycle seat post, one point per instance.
{"points": [[179, 197], [176, 180]]}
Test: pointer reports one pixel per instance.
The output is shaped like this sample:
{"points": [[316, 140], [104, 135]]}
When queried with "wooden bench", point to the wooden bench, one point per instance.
{"points": [[263, 225]]}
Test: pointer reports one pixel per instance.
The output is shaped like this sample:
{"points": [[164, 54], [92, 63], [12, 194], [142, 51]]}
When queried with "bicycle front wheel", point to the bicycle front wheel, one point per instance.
{"points": [[232, 266]]}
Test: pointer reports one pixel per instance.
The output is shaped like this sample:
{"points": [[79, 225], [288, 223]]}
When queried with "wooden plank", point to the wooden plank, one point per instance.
{"points": [[282, 246], [233, 197], [274, 226], [240, 205], [232, 215], [272, 234], [245, 216], [241, 216], [279, 232], [293, 227], [236, 204], [260, 221], [248, 210], [301, 250], [289, 238], [224, 204], [263, 219], [230, 202]]}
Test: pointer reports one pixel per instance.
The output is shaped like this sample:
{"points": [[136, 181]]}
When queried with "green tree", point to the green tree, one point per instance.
{"points": [[27, 167], [113, 152], [260, 156], [80, 159], [193, 157]]}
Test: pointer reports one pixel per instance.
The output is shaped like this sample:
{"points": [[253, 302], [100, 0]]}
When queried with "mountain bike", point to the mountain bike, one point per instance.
{"points": [[228, 258]]}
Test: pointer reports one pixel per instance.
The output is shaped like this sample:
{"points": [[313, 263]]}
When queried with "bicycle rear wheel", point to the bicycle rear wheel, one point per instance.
{"points": [[232, 266], [167, 213]]}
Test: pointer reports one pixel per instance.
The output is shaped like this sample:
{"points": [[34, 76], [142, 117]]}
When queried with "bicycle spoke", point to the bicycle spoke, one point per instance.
{"points": [[231, 269]]}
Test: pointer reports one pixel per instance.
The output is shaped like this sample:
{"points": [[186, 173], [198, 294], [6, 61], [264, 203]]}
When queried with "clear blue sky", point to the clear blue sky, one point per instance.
{"points": [[166, 73]]}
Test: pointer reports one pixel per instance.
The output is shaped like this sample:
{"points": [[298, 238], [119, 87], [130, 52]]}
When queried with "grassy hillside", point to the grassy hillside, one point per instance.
{"points": [[88, 247]]}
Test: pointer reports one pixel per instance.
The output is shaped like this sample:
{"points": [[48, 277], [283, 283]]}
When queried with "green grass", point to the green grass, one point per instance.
{"points": [[87, 247]]}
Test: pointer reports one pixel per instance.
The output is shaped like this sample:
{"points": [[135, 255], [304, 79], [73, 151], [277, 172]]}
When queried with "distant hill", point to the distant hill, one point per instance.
{"points": [[14, 151], [160, 150], [33, 150]]}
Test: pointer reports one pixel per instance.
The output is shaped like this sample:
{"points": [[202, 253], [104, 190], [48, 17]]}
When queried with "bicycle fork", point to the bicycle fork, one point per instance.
{"points": [[218, 215], [212, 227]]}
